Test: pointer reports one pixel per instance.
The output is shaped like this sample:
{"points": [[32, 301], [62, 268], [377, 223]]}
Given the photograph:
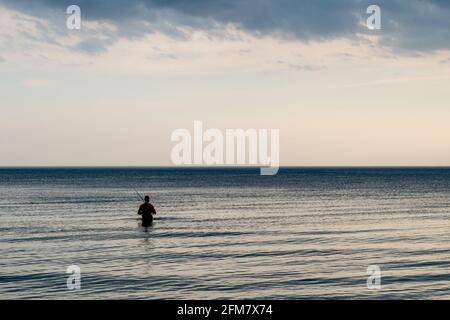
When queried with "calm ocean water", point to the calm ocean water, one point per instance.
{"points": [[225, 233]]}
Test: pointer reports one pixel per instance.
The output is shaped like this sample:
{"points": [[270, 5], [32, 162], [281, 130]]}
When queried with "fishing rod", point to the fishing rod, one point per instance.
{"points": [[139, 197], [139, 194]]}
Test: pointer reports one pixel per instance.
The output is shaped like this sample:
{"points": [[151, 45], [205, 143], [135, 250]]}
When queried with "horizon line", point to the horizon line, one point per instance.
{"points": [[216, 167]]}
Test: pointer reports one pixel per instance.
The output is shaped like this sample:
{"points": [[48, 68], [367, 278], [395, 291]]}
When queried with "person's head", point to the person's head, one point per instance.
{"points": [[147, 199]]}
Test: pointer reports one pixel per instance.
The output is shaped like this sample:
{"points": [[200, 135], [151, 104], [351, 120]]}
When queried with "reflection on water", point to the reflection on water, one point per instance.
{"points": [[305, 233]]}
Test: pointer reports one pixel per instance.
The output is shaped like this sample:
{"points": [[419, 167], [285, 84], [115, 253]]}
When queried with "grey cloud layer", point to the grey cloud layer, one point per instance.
{"points": [[408, 25]]}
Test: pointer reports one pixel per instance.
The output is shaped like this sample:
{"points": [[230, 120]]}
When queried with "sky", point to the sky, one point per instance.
{"points": [[111, 93]]}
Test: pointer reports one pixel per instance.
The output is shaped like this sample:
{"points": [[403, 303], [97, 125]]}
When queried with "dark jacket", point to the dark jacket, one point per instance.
{"points": [[147, 210]]}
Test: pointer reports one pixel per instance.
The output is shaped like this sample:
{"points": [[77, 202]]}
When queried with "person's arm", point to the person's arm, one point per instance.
{"points": [[140, 210]]}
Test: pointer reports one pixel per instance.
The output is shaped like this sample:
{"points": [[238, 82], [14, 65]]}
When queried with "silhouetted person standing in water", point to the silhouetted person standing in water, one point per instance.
{"points": [[147, 210]]}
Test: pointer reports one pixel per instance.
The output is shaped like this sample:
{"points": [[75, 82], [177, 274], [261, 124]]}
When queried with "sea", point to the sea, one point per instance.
{"points": [[225, 233]]}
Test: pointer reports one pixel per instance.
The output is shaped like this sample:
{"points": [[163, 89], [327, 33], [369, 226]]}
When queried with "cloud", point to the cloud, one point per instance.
{"points": [[305, 67], [416, 26], [94, 45], [301, 67], [408, 26]]}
